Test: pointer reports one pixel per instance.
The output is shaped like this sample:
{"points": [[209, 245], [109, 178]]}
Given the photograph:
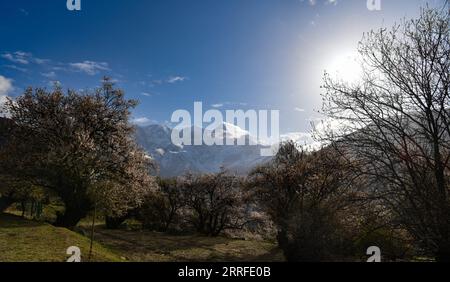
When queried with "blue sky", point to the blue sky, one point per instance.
{"points": [[229, 54]]}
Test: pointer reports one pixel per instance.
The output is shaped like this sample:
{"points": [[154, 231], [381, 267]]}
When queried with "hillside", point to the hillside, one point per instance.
{"points": [[28, 241]]}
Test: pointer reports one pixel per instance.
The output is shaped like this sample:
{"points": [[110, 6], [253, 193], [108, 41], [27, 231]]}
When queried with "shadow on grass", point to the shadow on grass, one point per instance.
{"points": [[14, 221], [153, 246]]}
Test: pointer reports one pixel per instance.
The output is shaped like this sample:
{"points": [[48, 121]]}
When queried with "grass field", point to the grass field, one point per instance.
{"points": [[152, 246], [25, 240], [28, 241]]}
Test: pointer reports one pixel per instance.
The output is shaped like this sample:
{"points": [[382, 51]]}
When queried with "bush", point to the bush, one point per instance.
{"points": [[314, 235]]}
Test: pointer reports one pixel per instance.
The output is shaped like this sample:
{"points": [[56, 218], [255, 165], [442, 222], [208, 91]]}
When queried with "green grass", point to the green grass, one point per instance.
{"points": [[23, 240]]}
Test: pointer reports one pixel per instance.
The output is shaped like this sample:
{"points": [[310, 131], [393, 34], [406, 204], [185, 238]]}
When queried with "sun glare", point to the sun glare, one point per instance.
{"points": [[345, 66]]}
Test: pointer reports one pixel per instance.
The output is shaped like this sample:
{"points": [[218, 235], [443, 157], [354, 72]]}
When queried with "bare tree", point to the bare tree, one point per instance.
{"points": [[395, 124]]}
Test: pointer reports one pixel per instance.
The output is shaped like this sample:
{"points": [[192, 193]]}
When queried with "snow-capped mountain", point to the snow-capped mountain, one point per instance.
{"points": [[175, 160]]}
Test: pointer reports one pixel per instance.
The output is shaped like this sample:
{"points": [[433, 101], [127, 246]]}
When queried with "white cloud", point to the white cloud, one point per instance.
{"points": [[5, 88], [297, 109], [146, 94], [23, 58], [14, 67], [18, 57], [59, 68], [51, 68], [90, 67], [333, 2], [175, 79], [142, 121], [41, 61], [170, 80], [327, 2], [51, 74], [231, 104], [23, 11]]}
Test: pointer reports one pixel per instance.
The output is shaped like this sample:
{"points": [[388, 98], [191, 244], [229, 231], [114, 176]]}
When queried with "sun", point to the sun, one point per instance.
{"points": [[345, 66]]}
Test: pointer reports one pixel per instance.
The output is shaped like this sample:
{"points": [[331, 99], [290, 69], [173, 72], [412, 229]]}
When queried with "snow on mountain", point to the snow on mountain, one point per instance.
{"points": [[233, 131], [175, 160], [304, 139]]}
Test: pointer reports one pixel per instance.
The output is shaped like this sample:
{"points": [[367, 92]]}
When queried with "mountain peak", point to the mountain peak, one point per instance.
{"points": [[233, 131]]}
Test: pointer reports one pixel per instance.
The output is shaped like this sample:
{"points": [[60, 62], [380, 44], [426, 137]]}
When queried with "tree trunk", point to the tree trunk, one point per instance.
{"points": [[5, 202], [32, 209], [92, 233], [169, 220], [24, 208], [71, 216]]}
